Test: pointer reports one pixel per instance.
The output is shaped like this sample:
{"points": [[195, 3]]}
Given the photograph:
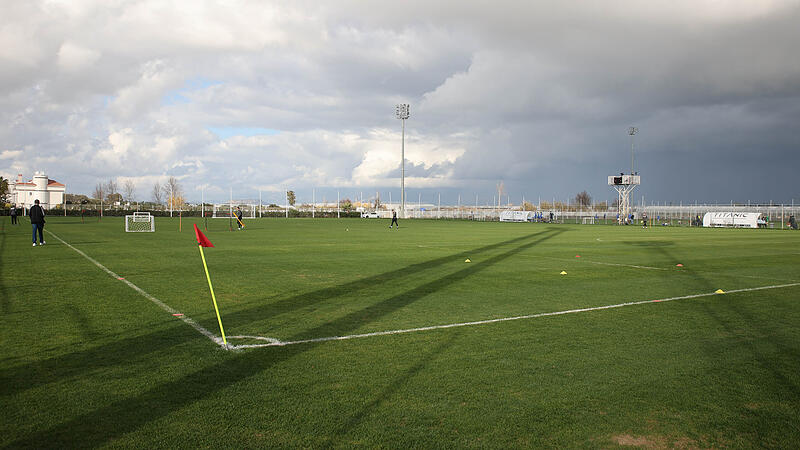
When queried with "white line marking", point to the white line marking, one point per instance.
{"points": [[162, 305], [584, 260], [624, 265], [272, 342], [504, 319]]}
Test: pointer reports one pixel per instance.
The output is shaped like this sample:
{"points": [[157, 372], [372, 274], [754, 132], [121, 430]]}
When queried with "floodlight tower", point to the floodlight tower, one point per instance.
{"points": [[632, 132], [402, 113], [625, 184]]}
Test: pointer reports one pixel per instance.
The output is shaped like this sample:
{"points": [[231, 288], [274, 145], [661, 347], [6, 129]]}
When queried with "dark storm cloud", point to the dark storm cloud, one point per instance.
{"points": [[536, 94]]}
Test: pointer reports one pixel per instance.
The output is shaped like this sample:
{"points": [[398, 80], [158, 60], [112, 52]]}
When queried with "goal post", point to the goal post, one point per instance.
{"points": [[139, 222], [226, 211]]}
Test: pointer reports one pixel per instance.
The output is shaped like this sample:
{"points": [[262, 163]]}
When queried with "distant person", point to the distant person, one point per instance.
{"points": [[644, 220], [14, 215], [792, 222], [551, 216], [37, 222], [239, 217], [394, 220]]}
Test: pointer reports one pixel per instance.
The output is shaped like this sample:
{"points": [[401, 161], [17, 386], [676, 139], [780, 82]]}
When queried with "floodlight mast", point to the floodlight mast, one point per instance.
{"points": [[402, 112], [632, 132]]}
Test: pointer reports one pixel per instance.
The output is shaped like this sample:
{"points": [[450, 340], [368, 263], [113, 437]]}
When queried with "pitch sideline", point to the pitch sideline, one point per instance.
{"points": [[143, 293], [275, 343]]}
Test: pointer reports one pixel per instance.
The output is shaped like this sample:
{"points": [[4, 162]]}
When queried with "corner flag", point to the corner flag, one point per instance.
{"points": [[202, 241]]}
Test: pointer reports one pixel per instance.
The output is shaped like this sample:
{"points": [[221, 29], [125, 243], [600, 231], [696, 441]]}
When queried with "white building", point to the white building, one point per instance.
{"points": [[50, 193]]}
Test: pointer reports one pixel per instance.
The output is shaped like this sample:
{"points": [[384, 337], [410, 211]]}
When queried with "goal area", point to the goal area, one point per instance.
{"points": [[139, 222]]}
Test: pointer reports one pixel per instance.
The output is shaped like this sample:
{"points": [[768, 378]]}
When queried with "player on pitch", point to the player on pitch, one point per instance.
{"points": [[239, 217], [394, 219]]}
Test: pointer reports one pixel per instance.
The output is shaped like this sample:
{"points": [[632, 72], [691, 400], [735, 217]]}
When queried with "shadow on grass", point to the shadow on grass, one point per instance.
{"points": [[104, 424], [289, 304], [766, 361], [18, 378], [370, 313], [4, 294], [388, 392]]}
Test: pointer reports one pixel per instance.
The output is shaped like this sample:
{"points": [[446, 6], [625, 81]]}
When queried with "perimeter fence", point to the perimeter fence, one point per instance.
{"points": [[776, 215]]}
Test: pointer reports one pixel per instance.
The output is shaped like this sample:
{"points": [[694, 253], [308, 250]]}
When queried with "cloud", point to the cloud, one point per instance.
{"points": [[72, 57], [269, 95], [10, 154]]}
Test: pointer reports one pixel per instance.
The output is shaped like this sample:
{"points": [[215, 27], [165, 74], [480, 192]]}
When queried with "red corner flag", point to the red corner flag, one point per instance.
{"points": [[201, 238]]}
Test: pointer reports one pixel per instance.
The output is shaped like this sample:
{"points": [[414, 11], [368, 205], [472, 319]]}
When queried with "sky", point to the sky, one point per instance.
{"points": [[251, 98]]}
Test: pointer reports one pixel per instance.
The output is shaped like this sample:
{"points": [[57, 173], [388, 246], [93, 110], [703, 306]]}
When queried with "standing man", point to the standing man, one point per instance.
{"points": [[37, 222], [14, 215], [644, 220], [394, 219], [239, 217]]}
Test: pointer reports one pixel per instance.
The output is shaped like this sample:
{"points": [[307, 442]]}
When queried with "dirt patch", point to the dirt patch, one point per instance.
{"points": [[636, 441], [654, 442]]}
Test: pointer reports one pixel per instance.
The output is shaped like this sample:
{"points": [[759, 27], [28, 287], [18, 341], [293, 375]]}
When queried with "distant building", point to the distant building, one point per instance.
{"points": [[50, 193]]}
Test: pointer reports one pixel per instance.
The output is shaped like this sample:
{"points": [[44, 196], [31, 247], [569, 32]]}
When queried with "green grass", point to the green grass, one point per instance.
{"points": [[89, 362]]}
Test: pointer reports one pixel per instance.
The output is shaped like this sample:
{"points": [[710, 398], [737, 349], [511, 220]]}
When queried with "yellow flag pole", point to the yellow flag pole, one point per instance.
{"points": [[237, 219], [213, 298]]}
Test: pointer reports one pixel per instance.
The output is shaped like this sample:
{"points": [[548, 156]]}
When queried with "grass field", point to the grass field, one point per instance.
{"points": [[89, 361]]}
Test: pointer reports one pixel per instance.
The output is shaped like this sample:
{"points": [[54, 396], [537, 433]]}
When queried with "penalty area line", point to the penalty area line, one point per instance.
{"points": [[277, 343], [217, 340]]}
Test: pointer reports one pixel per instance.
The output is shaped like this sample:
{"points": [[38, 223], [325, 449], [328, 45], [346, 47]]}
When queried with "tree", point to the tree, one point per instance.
{"points": [[76, 199], [99, 191], [346, 205], [528, 206], [111, 187], [157, 193], [291, 198], [114, 198], [583, 199], [174, 192], [129, 189], [3, 190]]}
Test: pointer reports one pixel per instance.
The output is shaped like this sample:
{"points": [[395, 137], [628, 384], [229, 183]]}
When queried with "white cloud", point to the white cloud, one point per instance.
{"points": [[10, 154], [72, 57]]}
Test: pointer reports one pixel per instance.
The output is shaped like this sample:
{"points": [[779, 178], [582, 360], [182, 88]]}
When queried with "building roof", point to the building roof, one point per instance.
{"points": [[54, 183]]}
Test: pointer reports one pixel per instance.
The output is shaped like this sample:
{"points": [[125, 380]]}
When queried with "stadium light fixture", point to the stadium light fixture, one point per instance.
{"points": [[402, 112]]}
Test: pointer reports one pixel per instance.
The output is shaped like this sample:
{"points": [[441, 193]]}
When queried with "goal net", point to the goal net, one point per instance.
{"points": [[225, 211], [588, 220], [139, 222]]}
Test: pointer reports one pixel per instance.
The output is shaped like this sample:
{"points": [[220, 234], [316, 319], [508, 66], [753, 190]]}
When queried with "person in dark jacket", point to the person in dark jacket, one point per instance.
{"points": [[37, 222], [14, 215], [394, 219], [239, 217]]}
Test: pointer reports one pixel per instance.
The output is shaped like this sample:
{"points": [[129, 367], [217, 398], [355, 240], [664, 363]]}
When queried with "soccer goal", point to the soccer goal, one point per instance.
{"points": [[139, 222], [224, 211], [588, 220]]}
